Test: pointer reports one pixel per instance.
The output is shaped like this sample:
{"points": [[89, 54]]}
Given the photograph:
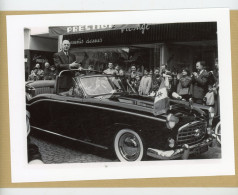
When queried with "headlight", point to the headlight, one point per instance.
{"points": [[171, 142], [171, 121], [211, 112]]}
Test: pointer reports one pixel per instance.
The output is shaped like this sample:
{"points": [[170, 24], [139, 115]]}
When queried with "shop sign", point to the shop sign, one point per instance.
{"points": [[81, 41], [67, 30], [141, 27]]}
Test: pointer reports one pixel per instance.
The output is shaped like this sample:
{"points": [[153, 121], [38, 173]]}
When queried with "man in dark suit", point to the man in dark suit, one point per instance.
{"points": [[200, 82], [64, 60]]}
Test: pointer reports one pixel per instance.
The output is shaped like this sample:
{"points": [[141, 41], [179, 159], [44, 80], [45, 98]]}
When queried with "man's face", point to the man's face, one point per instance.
{"points": [[133, 68], [47, 65], [184, 73], [37, 65], [66, 45], [156, 72], [121, 73], [199, 66], [110, 65]]}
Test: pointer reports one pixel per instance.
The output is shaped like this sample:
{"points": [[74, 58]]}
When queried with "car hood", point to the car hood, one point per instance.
{"points": [[139, 103]]}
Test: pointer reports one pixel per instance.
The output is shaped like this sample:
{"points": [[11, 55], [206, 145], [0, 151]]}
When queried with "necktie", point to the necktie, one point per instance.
{"points": [[66, 53]]}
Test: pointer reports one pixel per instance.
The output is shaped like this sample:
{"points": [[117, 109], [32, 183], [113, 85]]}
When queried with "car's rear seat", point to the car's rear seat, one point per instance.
{"points": [[42, 90]]}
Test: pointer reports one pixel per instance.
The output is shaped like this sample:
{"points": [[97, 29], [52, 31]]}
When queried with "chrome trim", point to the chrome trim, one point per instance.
{"points": [[74, 139], [188, 124], [93, 106], [182, 152], [189, 136]]}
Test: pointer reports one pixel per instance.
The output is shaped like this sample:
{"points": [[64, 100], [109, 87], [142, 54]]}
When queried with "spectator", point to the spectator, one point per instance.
{"points": [[117, 69], [123, 79], [137, 83], [199, 81], [53, 73], [47, 71], [91, 69], [145, 83], [156, 81], [210, 96], [65, 60], [132, 75], [163, 70], [110, 69], [40, 72], [33, 76], [184, 89]]}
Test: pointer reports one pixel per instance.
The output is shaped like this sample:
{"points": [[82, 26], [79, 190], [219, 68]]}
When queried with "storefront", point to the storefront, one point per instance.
{"points": [[146, 45], [38, 50]]}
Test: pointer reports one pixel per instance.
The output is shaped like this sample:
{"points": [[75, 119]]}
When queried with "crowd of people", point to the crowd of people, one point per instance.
{"points": [[49, 73], [201, 85]]}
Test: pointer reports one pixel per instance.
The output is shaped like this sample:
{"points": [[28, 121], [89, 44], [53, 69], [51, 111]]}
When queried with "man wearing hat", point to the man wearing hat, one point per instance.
{"points": [[64, 60]]}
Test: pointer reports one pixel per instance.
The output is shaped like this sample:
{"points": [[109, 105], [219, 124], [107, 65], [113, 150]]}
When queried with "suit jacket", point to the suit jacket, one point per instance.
{"points": [[62, 61], [200, 85]]}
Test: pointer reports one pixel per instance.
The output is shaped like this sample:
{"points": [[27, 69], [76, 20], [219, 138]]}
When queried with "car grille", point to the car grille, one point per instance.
{"points": [[191, 133]]}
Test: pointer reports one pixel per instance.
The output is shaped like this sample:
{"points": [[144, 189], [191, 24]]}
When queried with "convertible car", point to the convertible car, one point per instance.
{"points": [[96, 109]]}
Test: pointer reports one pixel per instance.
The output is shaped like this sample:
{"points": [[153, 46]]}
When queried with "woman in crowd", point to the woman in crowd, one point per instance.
{"points": [[184, 85], [47, 71], [145, 83], [33, 76]]}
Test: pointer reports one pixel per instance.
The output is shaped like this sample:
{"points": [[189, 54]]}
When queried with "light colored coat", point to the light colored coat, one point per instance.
{"points": [[145, 85]]}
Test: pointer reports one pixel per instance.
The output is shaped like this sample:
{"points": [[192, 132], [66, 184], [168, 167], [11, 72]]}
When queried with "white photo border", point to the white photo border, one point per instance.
{"points": [[23, 172]]}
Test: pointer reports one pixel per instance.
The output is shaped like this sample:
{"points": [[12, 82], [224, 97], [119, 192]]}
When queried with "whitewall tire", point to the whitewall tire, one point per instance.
{"points": [[128, 146]]}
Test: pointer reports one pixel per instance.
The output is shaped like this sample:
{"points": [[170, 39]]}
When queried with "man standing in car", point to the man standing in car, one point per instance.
{"points": [[64, 60]]}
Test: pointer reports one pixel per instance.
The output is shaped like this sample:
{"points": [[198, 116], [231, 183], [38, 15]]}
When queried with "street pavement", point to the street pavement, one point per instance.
{"points": [[58, 150]]}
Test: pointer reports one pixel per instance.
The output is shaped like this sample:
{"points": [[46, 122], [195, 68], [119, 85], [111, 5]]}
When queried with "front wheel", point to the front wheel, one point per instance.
{"points": [[128, 146]]}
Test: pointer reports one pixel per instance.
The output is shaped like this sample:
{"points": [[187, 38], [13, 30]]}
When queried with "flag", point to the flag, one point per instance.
{"points": [[161, 102]]}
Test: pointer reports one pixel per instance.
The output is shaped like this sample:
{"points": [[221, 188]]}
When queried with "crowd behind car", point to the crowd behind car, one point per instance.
{"points": [[202, 86]]}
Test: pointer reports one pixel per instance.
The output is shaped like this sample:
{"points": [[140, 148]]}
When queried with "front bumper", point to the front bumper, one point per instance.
{"points": [[182, 152]]}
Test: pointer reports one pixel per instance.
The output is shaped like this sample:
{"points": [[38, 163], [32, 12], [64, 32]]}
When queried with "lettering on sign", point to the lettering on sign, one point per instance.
{"points": [[82, 28], [141, 27], [87, 41]]}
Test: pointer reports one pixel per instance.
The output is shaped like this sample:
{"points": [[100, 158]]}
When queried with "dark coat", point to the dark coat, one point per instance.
{"points": [[62, 61], [200, 85], [156, 81], [185, 82]]}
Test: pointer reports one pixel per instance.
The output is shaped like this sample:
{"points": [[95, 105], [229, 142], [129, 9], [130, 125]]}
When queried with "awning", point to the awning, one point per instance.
{"points": [[67, 30]]}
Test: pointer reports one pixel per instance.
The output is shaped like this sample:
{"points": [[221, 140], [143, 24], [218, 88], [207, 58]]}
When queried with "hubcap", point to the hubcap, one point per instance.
{"points": [[129, 146]]}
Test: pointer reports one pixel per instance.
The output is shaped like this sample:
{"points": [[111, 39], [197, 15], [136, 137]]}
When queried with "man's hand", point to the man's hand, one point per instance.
{"points": [[74, 65], [195, 74]]}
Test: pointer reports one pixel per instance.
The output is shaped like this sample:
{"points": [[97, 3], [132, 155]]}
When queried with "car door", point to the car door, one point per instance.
{"points": [[66, 112]]}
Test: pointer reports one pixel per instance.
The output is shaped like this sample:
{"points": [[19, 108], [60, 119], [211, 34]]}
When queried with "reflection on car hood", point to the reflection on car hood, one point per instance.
{"points": [[138, 103]]}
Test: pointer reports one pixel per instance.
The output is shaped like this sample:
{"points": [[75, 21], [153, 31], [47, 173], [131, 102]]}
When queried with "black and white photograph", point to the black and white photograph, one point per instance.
{"points": [[136, 91], [132, 93]]}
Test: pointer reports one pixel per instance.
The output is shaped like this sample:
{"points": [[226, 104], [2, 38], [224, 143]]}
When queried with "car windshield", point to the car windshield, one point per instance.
{"points": [[101, 85]]}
